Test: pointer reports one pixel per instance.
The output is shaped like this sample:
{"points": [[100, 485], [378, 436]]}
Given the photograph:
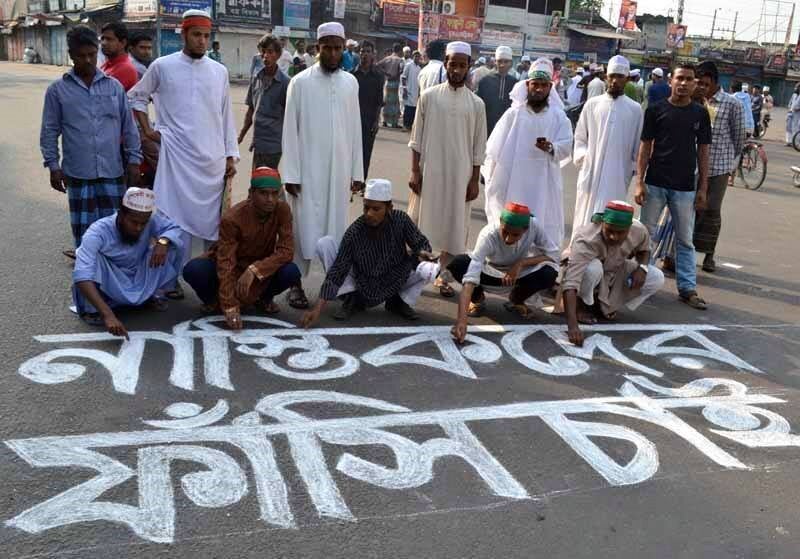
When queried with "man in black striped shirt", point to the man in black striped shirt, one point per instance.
{"points": [[383, 258]]}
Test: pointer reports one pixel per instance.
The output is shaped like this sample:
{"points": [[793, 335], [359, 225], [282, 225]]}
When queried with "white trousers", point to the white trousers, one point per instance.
{"points": [[594, 275], [426, 272]]}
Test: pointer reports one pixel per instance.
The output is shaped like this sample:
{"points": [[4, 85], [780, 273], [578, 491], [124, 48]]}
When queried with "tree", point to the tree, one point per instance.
{"points": [[586, 6]]}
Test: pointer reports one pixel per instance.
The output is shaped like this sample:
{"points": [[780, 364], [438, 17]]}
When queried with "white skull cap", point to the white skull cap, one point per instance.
{"points": [[139, 199], [378, 190]]}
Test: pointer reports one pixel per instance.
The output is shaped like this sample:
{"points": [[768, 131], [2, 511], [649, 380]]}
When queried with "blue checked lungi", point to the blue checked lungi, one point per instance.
{"points": [[90, 200]]}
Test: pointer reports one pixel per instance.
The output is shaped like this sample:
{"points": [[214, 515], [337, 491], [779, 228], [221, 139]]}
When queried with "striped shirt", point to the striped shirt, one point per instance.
{"points": [[727, 133], [379, 260]]}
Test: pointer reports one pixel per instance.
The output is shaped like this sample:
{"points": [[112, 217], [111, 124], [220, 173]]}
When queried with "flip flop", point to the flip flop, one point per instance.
{"points": [[476, 309], [175, 294], [268, 307], [522, 311], [586, 319], [297, 298], [69, 253], [92, 319], [692, 299], [444, 289]]}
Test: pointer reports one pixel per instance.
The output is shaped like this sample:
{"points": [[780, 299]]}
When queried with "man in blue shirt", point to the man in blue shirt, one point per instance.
{"points": [[126, 259], [90, 112], [659, 89]]}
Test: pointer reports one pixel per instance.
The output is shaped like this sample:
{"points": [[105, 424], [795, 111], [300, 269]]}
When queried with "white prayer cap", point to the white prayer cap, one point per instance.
{"points": [[745, 87], [658, 72], [503, 53], [196, 13], [593, 67], [619, 65], [579, 71], [139, 199], [378, 190], [636, 72], [406, 49], [542, 68], [330, 29], [482, 60], [458, 47], [766, 89], [525, 58]]}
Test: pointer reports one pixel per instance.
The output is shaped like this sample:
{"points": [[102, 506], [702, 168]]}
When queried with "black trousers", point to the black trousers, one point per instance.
{"points": [[543, 278], [367, 142]]}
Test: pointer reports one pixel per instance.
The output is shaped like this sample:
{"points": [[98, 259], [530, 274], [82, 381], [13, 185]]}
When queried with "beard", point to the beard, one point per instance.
{"points": [[536, 103], [616, 92], [454, 81], [195, 55], [328, 68]]}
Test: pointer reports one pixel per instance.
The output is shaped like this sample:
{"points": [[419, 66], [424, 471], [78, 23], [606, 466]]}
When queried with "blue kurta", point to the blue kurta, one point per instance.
{"points": [[121, 270]]}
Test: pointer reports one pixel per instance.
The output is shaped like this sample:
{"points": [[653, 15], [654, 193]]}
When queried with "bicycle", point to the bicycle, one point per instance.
{"points": [[753, 165], [762, 129]]}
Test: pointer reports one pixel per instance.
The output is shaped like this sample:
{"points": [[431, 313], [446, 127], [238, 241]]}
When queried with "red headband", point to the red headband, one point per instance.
{"points": [[196, 21]]}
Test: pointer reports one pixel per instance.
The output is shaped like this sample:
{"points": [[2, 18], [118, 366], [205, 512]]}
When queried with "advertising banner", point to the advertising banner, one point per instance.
{"points": [[495, 38], [140, 9], [177, 7], [248, 9], [296, 13], [339, 7], [676, 36], [396, 14], [627, 15]]}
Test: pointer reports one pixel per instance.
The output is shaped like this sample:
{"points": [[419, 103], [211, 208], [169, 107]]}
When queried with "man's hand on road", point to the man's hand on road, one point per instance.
{"points": [[114, 326]]}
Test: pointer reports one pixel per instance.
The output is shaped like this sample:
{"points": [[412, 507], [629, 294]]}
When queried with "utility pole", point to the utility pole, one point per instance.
{"points": [[713, 23], [733, 33], [680, 12]]}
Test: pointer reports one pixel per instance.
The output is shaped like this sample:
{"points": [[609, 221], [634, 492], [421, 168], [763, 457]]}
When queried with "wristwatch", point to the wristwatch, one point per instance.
{"points": [[643, 267], [163, 241]]}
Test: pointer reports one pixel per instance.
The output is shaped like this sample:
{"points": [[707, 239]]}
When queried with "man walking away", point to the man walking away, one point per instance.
{"points": [[266, 104], [370, 99], [495, 88], [676, 138], [746, 100], [757, 105], [433, 73], [90, 113], [448, 145], [114, 43], [658, 90], [392, 68], [410, 88], [727, 141]]}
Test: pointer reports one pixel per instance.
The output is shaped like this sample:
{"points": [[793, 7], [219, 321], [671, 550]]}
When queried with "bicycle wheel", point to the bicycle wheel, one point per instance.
{"points": [[796, 141], [762, 130], [752, 169]]}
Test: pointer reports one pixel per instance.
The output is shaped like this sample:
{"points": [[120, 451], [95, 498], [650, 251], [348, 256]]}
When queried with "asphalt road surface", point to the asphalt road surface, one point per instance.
{"points": [[384, 439]]}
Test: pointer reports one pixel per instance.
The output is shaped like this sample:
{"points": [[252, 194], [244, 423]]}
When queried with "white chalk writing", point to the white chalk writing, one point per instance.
{"points": [[309, 356]]}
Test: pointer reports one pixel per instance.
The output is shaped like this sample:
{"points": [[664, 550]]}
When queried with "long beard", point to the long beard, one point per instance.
{"points": [[195, 55], [537, 104], [453, 81], [327, 69]]}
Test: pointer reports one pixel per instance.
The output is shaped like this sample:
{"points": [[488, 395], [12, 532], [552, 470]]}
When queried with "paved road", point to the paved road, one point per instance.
{"points": [[384, 440]]}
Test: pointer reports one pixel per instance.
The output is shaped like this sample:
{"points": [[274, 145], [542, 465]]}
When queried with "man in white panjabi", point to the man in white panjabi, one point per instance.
{"points": [[525, 153], [448, 144], [606, 146], [322, 161], [597, 86], [196, 129]]}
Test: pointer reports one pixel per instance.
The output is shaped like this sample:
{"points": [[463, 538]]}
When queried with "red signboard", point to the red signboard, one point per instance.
{"points": [[396, 14], [461, 28]]}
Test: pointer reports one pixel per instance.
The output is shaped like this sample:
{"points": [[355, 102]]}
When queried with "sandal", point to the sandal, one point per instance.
{"points": [[175, 294], [69, 253], [92, 319], [692, 299], [612, 316], [476, 309], [444, 289], [156, 304], [522, 311], [268, 307], [297, 298], [586, 318]]}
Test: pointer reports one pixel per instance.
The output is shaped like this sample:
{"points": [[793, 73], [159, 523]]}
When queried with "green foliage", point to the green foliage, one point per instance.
{"points": [[586, 5]]}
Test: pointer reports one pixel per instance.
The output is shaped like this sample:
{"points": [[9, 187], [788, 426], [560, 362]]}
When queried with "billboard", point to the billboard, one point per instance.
{"points": [[396, 14], [248, 9], [140, 9], [297, 13], [496, 37], [627, 15], [449, 28], [177, 7], [676, 36]]}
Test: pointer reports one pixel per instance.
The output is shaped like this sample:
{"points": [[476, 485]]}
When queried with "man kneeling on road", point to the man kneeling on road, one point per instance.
{"points": [[608, 262], [251, 262], [126, 259], [373, 264], [514, 254]]}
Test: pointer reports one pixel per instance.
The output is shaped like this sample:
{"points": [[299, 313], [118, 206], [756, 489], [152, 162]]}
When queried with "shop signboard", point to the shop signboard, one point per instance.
{"points": [[397, 14], [296, 13]]}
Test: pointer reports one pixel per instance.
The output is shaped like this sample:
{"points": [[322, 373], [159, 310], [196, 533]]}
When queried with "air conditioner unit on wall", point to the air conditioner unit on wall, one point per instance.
{"points": [[449, 7]]}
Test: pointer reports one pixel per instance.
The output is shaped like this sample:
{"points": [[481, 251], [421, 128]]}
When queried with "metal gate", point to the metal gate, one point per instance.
{"points": [[58, 46]]}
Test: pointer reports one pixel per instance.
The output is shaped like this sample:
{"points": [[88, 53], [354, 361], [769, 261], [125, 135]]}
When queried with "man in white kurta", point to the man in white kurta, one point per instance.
{"points": [[597, 86], [525, 153], [196, 128], [606, 146], [322, 153], [448, 144]]}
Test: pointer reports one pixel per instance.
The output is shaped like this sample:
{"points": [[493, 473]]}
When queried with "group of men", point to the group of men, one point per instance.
{"points": [[131, 248]]}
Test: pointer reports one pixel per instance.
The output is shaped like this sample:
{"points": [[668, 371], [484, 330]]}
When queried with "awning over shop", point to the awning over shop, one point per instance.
{"points": [[603, 33]]}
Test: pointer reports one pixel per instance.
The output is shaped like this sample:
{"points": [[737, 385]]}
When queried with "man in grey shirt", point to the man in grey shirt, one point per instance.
{"points": [[266, 104]]}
